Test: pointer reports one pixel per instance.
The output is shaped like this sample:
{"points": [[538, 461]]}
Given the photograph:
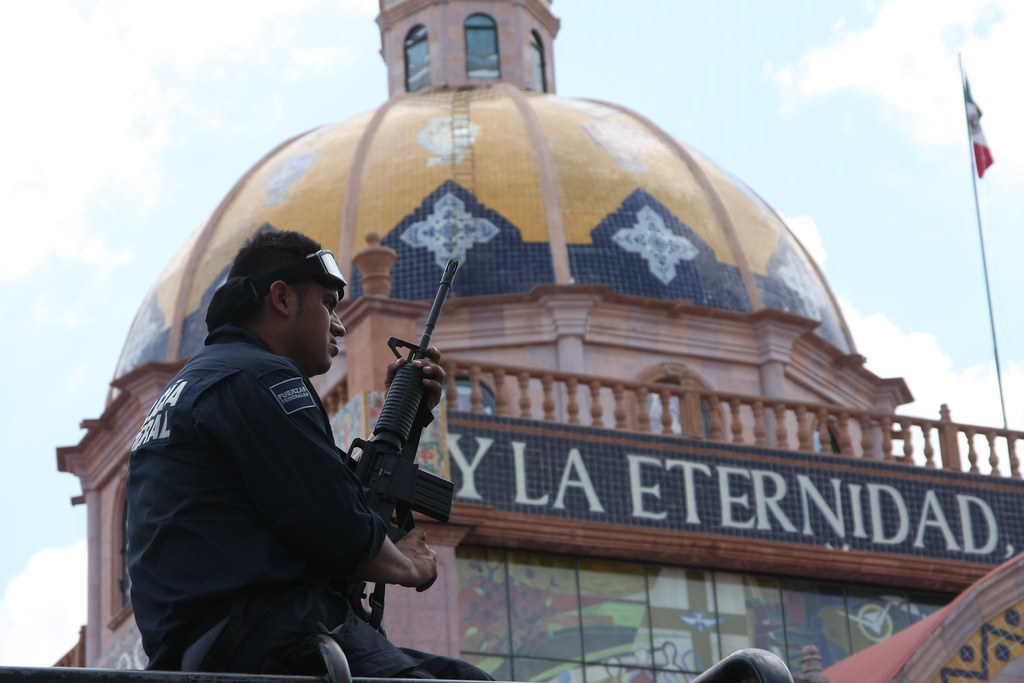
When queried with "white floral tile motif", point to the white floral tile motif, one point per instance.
{"points": [[448, 137], [450, 231], [285, 175], [661, 248]]}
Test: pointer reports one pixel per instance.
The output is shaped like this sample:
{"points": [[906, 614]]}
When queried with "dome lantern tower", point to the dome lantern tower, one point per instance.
{"points": [[452, 43]]}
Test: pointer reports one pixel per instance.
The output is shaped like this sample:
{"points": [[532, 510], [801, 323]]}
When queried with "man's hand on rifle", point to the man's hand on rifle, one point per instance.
{"points": [[422, 557], [410, 562], [433, 375]]}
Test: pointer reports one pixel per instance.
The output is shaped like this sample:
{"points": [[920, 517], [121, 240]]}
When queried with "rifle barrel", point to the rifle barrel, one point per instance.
{"points": [[439, 299]]}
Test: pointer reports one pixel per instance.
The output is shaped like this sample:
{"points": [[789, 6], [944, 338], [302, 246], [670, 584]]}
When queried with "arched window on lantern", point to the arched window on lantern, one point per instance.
{"points": [[417, 59], [540, 79], [482, 47]]}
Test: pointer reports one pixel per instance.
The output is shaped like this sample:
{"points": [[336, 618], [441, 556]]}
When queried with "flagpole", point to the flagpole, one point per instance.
{"points": [[981, 239]]}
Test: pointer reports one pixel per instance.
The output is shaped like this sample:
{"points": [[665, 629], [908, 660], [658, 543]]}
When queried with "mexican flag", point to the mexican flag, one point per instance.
{"points": [[982, 154]]}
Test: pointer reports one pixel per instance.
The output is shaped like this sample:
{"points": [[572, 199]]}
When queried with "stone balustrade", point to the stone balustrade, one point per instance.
{"points": [[705, 414]]}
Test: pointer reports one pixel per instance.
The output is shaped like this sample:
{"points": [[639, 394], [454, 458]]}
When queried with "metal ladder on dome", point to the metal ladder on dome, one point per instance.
{"points": [[464, 169]]}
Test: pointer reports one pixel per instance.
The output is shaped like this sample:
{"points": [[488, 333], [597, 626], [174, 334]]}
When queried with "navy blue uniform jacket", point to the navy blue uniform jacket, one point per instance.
{"points": [[235, 484]]}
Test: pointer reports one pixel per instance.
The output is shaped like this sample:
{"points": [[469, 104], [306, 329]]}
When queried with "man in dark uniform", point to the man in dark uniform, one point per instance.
{"points": [[246, 526]]}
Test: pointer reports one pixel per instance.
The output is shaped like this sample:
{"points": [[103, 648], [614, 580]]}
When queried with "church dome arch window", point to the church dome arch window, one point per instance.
{"points": [[482, 60], [417, 59], [539, 80]]}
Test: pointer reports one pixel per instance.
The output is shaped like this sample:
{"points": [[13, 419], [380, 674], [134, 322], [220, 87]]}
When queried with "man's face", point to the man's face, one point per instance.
{"points": [[317, 329]]}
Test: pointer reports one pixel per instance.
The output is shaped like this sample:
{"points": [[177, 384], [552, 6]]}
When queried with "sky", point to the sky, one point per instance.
{"points": [[124, 124]]}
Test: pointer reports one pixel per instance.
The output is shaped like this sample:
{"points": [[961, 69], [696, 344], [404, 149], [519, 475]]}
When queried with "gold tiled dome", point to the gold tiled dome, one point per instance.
{"points": [[524, 188]]}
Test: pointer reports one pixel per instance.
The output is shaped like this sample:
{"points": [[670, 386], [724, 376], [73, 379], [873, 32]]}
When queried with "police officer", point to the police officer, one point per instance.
{"points": [[246, 528]]}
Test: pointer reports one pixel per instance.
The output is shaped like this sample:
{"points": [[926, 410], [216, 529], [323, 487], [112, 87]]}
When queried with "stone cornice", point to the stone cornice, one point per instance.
{"points": [[103, 452]]}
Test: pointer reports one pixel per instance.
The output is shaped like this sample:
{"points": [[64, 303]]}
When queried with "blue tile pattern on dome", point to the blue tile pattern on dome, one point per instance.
{"points": [[642, 249], [793, 287], [148, 340], [449, 231], [193, 328], [451, 223]]}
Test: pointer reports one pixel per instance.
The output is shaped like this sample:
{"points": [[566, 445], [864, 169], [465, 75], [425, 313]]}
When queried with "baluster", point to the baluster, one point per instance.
{"points": [[524, 395], [501, 392], [1011, 450], [867, 444], [803, 434], [666, 411], [929, 452], [759, 428], [691, 421], [887, 439], [619, 392], [949, 444], [573, 406], [781, 434], [908, 443], [644, 413], [546, 381], [824, 433], [972, 456], [993, 458], [596, 412], [476, 397], [737, 423], [451, 390], [845, 442], [715, 420]]}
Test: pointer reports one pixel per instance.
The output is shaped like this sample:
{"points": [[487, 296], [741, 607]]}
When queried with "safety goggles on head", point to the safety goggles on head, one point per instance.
{"points": [[319, 266]]}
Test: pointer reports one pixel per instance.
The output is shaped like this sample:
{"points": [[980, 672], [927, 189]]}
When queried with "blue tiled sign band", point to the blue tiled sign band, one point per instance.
{"points": [[670, 483]]}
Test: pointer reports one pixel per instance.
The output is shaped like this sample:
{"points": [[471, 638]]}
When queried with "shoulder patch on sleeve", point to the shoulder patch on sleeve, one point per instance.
{"points": [[293, 395]]}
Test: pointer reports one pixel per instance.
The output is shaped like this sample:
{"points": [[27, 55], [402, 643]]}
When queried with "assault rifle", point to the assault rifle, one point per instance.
{"points": [[393, 483]]}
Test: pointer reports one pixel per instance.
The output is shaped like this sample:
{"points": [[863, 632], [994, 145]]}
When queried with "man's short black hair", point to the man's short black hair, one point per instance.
{"points": [[237, 300], [269, 250]]}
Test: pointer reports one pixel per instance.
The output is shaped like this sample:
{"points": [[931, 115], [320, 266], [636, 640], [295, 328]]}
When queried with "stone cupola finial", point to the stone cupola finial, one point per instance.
{"points": [[375, 262]]}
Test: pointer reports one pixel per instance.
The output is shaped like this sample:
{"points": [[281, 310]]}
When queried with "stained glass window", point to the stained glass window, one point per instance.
{"points": [[544, 607], [614, 614], [483, 601], [815, 614], [533, 617], [684, 620], [749, 613]]}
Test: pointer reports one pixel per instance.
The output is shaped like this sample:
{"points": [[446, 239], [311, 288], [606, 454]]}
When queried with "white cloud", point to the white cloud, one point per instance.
{"points": [[972, 393], [907, 59], [806, 231], [44, 607], [98, 93]]}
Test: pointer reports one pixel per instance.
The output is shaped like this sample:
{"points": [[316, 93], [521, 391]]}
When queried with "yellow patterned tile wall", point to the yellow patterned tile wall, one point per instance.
{"points": [[997, 643], [602, 155], [756, 226], [302, 187]]}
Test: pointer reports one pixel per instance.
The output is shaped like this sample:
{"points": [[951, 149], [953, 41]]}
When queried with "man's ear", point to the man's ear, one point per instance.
{"points": [[279, 298]]}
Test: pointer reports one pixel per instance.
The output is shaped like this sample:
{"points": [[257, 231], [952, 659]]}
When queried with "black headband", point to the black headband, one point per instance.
{"points": [[240, 297]]}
